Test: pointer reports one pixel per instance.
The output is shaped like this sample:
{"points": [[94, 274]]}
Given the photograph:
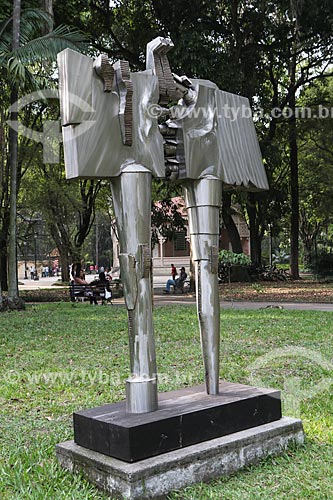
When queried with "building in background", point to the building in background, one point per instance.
{"points": [[177, 250]]}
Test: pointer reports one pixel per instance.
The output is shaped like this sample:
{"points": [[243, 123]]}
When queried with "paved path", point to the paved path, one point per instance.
{"points": [[187, 300], [299, 306], [172, 300]]}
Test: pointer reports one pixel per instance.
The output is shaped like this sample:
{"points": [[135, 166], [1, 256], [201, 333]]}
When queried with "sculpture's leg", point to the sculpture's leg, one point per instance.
{"points": [[203, 199], [131, 193]]}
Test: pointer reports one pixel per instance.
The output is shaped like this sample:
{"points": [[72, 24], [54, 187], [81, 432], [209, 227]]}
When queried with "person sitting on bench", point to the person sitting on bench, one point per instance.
{"points": [[101, 284], [178, 283], [79, 279]]}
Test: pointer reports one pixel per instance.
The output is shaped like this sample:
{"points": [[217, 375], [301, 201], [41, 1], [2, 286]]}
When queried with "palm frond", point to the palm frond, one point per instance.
{"points": [[4, 51], [3, 26], [33, 21], [46, 48], [26, 78], [20, 65]]}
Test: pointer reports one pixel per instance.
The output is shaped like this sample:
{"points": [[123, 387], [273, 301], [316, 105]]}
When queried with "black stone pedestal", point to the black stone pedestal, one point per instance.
{"points": [[184, 418]]}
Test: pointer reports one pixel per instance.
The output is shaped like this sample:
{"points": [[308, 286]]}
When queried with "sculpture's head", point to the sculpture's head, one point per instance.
{"points": [[175, 127]]}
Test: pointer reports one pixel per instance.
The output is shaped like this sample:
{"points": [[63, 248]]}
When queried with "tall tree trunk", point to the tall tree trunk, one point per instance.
{"points": [[63, 246], [13, 292], [65, 262], [47, 5], [4, 199], [229, 223], [255, 240], [4, 250], [294, 182]]}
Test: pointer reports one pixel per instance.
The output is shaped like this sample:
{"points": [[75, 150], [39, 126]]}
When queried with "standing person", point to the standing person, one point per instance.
{"points": [[173, 272], [32, 272]]}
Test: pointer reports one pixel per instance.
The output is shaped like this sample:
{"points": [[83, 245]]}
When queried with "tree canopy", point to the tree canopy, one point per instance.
{"points": [[278, 54]]}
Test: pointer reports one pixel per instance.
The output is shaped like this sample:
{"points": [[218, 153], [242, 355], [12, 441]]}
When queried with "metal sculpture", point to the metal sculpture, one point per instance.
{"points": [[111, 130]]}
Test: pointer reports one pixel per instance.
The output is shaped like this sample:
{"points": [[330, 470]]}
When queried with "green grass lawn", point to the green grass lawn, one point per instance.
{"points": [[57, 358]]}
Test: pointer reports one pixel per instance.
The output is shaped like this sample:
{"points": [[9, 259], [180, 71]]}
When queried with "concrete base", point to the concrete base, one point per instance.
{"points": [[155, 477]]}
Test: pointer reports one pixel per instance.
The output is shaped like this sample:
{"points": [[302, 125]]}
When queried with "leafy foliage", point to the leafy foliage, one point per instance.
{"points": [[36, 51], [267, 51], [167, 211], [27, 65], [228, 257]]}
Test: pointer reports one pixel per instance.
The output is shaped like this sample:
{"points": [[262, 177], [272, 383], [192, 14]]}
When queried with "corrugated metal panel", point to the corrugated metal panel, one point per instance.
{"points": [[239, 150]]}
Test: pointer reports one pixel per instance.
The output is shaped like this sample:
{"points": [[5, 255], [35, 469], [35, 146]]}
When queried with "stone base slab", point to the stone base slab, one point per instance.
{"points": [[154, 478]]}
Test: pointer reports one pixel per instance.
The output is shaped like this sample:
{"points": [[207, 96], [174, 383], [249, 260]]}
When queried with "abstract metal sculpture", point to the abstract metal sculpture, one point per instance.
{"points": [[111, 130]]}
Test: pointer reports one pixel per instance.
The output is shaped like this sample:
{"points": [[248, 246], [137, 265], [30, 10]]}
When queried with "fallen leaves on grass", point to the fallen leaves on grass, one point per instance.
{"points": [[297, 291]]}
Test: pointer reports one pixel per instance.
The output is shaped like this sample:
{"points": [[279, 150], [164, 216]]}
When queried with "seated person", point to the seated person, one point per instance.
{"points": [[101, 280], [176, 283], [102, 283], [108, 274], [79, 279]]}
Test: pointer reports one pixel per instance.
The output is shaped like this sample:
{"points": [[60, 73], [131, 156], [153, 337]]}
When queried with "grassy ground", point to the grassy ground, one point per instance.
{"points": [[57, 358]]}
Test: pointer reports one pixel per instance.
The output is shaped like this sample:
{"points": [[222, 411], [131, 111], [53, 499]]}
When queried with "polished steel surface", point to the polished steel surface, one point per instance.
{"points": [[141, 395], [209, 322], [201, 191], [218, 137], [93, 138], [158, 63], [75, 92], [239, 151], [131, 193], [111, 130], [204, 197]]}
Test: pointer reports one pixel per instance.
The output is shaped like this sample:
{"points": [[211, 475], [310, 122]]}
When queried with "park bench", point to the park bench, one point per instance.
{"points": [[99, 291], [182, 286]]}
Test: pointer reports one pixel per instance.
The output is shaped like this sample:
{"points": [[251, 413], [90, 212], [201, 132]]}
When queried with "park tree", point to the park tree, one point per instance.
{"points": [[303, 56], [280, 48], [316, 164], [264, 50], [267, 51], [67, 209], [28, 43]]}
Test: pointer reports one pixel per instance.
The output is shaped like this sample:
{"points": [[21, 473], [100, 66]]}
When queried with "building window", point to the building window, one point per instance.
{"points": [[180, 241]]}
